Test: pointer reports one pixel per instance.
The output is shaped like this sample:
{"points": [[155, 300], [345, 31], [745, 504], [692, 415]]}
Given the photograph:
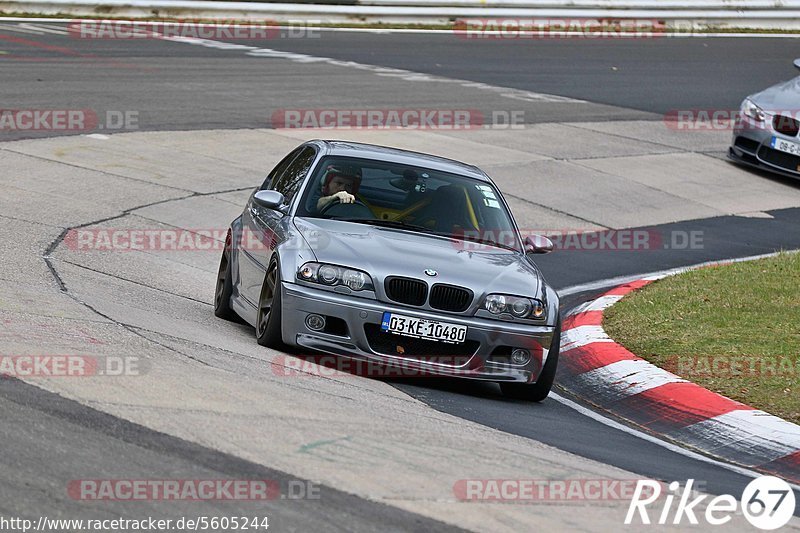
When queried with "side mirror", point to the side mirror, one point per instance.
{"points": [[538, 244], [269, 199], [797, 63]]}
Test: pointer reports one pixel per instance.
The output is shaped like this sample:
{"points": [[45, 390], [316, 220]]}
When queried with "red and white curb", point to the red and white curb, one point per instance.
{"points": [[607, 375]]}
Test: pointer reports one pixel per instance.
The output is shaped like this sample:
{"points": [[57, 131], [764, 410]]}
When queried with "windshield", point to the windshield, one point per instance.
{"points": [[409, 198]]}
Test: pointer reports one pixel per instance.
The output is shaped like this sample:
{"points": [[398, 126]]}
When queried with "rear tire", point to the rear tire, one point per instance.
{"points": [[268, 320], [224, 288], [536, 392]]}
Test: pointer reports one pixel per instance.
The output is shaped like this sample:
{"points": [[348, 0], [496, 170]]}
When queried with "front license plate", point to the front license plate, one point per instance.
{"points": [[422, 328], [785, 146]]}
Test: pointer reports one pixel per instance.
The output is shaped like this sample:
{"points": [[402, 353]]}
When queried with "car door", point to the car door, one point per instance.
{"points": [[263, 228], [250, 270]]}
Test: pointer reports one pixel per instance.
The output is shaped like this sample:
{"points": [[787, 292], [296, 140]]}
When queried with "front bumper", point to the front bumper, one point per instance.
{"points": [[751, 146], [359, 340]]}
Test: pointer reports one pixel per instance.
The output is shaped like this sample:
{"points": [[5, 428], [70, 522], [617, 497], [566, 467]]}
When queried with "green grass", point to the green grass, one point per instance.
{"points": [[734, 329]]}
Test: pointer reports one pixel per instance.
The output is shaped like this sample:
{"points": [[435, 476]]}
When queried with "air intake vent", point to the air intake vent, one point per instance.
{"points": [[748, 144], [406, 290], [786, 125], [450, 298], [781, 159]]}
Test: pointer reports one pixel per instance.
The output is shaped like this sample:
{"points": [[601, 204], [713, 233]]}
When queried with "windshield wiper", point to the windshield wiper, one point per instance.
{"points": [[389, 224]]}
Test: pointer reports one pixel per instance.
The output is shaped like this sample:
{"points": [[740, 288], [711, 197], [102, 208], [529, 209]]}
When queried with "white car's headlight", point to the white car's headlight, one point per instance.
{"points": [[753, 111], [516, 306], [333, 275]]}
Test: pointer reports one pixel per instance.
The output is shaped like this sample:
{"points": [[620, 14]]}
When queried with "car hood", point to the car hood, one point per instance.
{"points": [[383, 252], [781, 97]]}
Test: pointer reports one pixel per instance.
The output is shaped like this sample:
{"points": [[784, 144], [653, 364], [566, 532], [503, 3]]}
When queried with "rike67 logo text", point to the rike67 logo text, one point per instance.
{"points": [[767, 503]]}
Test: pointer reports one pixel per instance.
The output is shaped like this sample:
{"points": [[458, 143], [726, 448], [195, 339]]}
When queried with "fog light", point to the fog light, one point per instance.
{"points": [[520, 356], [315, 322]]}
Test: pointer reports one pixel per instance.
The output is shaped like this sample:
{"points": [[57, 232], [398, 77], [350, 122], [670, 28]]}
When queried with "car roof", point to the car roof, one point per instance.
{"points": [[396, 155]]}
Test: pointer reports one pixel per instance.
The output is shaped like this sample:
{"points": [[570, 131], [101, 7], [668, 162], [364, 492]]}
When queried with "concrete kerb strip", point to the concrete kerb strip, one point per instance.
{"points": [[609, 376]]}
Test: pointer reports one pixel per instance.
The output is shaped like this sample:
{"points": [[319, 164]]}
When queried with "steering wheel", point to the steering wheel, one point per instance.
{"points": [[357, 209]]}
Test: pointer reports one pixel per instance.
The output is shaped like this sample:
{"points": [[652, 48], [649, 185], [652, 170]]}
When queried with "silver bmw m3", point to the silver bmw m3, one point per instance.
{"points": [[392, 257], [766, 131]]}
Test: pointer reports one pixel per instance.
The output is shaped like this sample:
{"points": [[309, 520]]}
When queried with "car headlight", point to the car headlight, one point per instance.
{"points": [[355, 279], [333, 275], [753, 111], [328, 274], [516, 306]]}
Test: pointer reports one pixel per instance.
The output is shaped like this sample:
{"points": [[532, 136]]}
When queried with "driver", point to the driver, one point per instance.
{"points": [[339, 183]]}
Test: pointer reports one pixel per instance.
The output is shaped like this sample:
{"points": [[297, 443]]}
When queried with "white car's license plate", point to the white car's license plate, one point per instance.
{"points": [[423, 328], [785, 146]]}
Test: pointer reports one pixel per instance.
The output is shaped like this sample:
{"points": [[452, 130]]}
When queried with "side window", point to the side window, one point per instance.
{"points": [[289, 181], [280, 168]]}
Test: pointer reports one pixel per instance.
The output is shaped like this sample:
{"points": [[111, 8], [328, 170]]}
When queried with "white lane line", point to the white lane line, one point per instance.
{"points": [[406, 75], [409, 75], [18, 29], [654, 440], [46, 29]]}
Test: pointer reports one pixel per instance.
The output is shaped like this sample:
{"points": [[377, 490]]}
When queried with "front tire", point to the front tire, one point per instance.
{"points": [[268, 321], [224, 288], [536, 392]]}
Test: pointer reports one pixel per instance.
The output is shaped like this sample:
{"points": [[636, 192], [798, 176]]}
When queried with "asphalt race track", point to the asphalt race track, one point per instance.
{"points": [[593, 152]]}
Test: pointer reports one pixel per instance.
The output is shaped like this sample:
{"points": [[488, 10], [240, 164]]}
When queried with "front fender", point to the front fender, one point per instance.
{"points": [[292, 252], [553, 304]]}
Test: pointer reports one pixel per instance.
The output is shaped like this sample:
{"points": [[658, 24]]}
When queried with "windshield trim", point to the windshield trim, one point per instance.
{"points": [[323, 156]]}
